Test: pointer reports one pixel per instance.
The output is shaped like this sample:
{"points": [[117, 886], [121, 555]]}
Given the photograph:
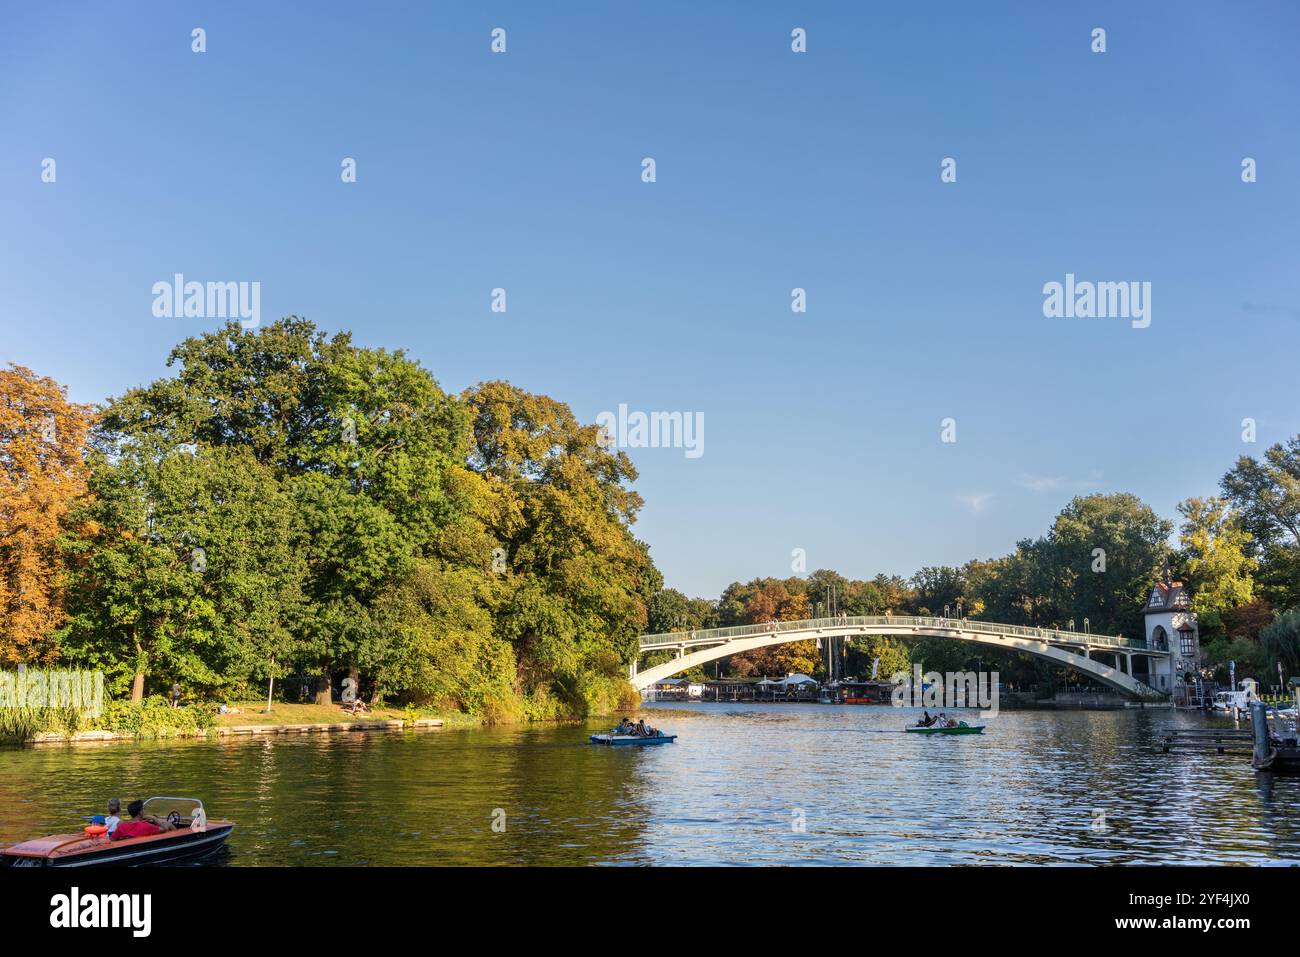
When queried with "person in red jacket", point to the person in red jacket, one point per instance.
{"points": [[139, 826]]}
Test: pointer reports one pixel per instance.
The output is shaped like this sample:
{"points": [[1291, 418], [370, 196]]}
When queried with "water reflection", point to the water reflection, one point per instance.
{"points": [[1037, 787]]}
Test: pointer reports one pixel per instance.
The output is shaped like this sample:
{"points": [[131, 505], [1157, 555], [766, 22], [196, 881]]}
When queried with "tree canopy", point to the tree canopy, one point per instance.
{"points": [[42, 474], [288, 502]]}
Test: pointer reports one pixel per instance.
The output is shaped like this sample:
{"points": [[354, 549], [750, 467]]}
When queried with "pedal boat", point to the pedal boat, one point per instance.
{"points": [[960, 729], [617, 740], [194, 837]]}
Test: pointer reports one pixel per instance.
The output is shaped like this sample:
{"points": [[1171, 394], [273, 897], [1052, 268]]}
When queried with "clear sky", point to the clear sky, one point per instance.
{"points": [[774, 170]]}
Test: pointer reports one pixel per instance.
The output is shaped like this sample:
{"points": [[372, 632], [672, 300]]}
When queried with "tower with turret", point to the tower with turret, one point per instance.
{"points": [[1171, 626]]}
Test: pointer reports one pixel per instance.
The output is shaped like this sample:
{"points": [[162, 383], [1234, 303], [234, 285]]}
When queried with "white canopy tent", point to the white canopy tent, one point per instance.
{"points": [[794, 680]]}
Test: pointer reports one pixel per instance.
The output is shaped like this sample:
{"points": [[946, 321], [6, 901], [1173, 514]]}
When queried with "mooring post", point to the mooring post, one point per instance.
{"points": [[1259, 731]]}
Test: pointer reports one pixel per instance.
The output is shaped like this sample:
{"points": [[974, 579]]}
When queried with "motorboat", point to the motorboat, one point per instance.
{"points": [[1226, 702], [192, 836]]}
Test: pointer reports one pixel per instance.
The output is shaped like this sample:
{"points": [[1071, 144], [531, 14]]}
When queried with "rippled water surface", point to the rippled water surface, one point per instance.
{"points": [[1038, 787]]}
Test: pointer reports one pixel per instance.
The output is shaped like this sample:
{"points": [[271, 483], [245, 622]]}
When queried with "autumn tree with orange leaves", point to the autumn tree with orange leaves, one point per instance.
{"points": [[42, 470]]}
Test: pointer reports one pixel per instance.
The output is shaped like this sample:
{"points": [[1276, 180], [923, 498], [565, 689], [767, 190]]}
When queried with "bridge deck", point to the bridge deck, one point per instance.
{"points": [[1071, 648], [905, 624]]}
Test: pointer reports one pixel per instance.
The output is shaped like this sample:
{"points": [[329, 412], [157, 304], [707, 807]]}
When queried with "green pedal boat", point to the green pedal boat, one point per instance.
{"points": [[962, 728]]}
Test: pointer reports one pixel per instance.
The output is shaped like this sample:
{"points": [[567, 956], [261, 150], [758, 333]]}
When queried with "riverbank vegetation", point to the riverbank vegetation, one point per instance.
{"points": [[290, 507], [286, 510]]}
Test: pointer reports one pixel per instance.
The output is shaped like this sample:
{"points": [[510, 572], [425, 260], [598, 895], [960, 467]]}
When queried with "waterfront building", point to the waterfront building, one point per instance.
{"points": [[1171, 626]]}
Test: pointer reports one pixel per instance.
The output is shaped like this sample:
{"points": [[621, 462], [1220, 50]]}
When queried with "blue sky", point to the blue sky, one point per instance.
{"points": [[775, 170]]}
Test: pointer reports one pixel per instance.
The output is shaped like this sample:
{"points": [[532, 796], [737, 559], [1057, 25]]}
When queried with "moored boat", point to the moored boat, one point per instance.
{"points": [[193, 836]]}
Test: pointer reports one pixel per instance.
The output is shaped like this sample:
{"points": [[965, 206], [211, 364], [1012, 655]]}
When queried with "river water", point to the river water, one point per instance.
{"points": [[743, 784]]}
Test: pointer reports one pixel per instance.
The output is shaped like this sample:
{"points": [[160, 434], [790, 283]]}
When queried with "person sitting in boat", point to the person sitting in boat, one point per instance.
{"points": [[140, 825], [114, 817], [641, 730], [625, 726], [926, 719]]}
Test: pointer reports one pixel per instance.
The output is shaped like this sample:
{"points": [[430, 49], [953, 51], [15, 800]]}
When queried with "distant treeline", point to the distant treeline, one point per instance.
{"points": [[1239, 553]]}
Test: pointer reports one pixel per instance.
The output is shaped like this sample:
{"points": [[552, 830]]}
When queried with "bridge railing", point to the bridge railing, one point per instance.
{"points": [[904, 623]]}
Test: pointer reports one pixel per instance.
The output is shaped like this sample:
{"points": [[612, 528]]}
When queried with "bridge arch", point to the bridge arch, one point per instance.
{"points": [[1069, 648]]}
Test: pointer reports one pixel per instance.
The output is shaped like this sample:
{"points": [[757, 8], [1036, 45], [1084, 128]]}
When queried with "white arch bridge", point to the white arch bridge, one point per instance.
{"points": [[1073, 649]]}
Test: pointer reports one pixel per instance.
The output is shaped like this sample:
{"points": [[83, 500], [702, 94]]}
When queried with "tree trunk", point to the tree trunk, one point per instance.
{"points": [[137, 686], [323, 688], [270, 687]]}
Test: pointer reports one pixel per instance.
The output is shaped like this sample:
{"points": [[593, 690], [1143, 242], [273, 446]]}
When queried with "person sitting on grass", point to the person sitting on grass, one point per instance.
{"points": [[140, 826]]}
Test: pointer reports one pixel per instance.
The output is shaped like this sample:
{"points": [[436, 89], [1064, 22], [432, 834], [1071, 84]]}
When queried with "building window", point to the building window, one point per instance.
{"points": [[1188, 643], [1158, 640]]}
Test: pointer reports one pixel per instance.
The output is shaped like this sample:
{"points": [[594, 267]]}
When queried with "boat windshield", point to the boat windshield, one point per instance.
{"points": [[162, 806]]}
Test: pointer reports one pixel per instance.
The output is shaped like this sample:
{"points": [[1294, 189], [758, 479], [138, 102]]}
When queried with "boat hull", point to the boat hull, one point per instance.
{"points": [[622, 740], [969, 729], [73, 850], [1283, 758]]}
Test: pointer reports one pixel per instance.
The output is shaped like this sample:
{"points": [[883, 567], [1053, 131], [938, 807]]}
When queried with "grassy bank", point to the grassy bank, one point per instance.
{"points": [[254, 713], [156, 719]]}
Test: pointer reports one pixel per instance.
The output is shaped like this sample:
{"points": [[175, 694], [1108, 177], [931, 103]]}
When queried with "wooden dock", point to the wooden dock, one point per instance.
{"points": [[1218, 740]]}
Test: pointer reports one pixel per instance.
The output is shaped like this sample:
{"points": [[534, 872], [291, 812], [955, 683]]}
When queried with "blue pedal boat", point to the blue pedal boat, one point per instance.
{"points": [[617, 740]]}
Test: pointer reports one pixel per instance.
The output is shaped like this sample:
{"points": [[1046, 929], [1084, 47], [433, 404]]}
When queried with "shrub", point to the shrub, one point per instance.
{"points": [[22, 724], [155, 718]]}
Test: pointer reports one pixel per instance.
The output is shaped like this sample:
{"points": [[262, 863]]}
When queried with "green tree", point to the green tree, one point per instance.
{"points": [[1281, 641], [354, 549], [369, 448], [1132, 540], [444, 649], [576, 585], [826, 589], [1215, 553], [937, 586], [891, 654], [1249, 654], [190, 569], [1267, 494], [670, 610]]}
